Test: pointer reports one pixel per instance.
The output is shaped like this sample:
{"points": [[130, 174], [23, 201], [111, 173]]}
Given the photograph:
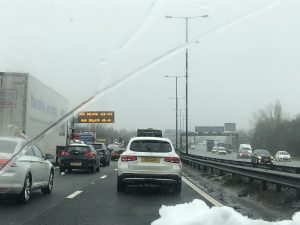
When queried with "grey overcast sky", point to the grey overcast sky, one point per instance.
{"points": [[248, 55]]}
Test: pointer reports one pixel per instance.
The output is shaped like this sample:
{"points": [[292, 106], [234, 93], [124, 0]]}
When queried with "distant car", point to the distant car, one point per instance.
{"points": [[261, 156], [30, 171], [104, 157], [111, 147], [283, 156], [244, 154], [228, 151], [152, 161], [115, 154], [222, 151], [79, 156], [103, 153], [245, 147], [214, 149]]}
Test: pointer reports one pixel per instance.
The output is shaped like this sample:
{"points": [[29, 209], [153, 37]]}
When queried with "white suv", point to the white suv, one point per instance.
{"points": [[149, 160]]}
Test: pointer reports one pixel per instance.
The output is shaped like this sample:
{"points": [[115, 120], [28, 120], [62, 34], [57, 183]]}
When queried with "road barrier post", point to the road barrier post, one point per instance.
{"points": [[264, 185]]}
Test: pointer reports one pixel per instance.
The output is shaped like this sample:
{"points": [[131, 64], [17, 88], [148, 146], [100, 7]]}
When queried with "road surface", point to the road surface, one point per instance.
{"points": [[84, 198]]}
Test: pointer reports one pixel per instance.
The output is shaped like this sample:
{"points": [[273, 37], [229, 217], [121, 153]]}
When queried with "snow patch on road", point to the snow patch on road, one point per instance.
{"points": [[198, 213]]}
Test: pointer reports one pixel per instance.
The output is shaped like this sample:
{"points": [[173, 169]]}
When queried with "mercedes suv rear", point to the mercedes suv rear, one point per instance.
{"points": [[149, 161]]}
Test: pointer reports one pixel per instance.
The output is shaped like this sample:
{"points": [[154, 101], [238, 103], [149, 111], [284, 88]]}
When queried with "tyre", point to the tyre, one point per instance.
{"points": [[120, 185], [61, 169], [24, 196], [49, 188], [93, 169], [177, 188]]}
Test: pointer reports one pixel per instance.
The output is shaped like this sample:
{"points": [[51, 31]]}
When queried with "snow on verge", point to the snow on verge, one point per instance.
{"points": [[198, 213]]}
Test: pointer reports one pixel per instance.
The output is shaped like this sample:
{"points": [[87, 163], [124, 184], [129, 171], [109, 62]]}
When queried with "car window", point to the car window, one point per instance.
{"points": [[150, 146], [98, 146], [283, 153], [7, 146], [37, 151], [30, 152], [80, 149]]}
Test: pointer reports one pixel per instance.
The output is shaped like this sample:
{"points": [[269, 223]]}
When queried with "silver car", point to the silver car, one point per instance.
{"points": [[29, 171]]}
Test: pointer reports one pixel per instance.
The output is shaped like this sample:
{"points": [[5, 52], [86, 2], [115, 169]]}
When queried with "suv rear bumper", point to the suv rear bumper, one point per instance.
{"points": [[155, 179]]}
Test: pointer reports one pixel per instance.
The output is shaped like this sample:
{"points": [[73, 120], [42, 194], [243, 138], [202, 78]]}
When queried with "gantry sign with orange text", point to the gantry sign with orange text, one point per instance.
{"points": [[96, 117]]}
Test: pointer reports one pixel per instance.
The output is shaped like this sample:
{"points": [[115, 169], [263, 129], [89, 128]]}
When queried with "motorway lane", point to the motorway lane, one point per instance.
{"points": [[98, 203], [11, 212], [233, 156]]}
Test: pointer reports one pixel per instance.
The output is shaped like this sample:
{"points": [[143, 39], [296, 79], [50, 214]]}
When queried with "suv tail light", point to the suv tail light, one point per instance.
{"points": [[64, 153], [126, 158], [89, 154], [172, 159]]}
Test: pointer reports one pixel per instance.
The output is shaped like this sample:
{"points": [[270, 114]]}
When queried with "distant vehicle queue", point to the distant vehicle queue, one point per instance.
{"points": [[257, 156]]}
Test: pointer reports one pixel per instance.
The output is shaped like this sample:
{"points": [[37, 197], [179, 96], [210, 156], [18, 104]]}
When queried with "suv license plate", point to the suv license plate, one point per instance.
{"points": [[76, 164], [151, 159]]}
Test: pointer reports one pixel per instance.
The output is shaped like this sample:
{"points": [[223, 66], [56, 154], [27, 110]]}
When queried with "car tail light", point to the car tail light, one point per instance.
{"points": [[172, 159], [89, 154], [126, 158], [114, 153], [64, 153], [3, 162]]}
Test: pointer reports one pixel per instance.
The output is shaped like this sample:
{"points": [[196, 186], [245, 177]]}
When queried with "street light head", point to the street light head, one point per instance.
{"points": [[204, 16], [169, 17]]}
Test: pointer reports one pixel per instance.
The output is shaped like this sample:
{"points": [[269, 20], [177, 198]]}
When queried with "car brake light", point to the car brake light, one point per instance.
{"points": [[172, 159], [126, 158], [64, 153], [89, 154], [3, 162]]}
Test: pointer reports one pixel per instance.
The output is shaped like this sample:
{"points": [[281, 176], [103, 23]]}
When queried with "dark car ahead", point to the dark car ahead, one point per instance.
{"points": [[79, 156], [103, 153], [115, 154], [261, 156], [243, 154]]}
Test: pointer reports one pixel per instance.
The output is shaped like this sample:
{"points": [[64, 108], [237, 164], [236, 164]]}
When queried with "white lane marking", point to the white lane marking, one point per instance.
{"points": [[74, 194], [116, 169], [103, 177], [202, 193]]}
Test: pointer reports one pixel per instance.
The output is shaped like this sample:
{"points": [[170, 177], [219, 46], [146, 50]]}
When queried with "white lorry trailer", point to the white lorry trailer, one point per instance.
{"points": [[27, 105]]}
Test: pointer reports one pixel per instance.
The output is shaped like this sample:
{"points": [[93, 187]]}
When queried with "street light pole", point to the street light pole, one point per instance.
{"points": [[186, 86], [176, 115], [186, 18], [176, 78]]}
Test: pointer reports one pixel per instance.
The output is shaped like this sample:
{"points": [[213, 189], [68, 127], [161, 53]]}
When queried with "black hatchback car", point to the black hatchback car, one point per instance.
{"points": [[261, 156], [79, 156]]}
